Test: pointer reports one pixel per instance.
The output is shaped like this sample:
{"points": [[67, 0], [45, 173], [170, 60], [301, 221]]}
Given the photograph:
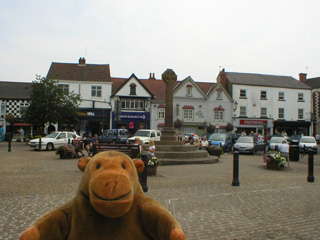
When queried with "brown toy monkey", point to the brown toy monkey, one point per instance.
{"points": [[110, 204]]}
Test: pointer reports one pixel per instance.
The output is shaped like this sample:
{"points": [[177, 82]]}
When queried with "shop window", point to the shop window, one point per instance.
{"points": [[300, 113], [2, 109], [281, 113], [23, 108], [96, 91], [263, 112]]}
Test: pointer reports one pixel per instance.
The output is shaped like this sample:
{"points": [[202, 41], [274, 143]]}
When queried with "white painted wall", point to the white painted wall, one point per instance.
{"points": [[291, 105]]}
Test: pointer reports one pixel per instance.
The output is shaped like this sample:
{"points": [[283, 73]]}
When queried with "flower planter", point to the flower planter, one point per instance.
{"points": [[214, 152], [65, 156], [152, 170], [274, 165]]}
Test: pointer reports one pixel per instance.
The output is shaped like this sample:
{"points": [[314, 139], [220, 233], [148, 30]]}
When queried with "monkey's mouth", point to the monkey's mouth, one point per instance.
{"points": [[110, 199]]}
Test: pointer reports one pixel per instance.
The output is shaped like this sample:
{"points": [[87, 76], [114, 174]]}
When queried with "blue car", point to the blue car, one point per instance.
{"points": [[223, 140]]}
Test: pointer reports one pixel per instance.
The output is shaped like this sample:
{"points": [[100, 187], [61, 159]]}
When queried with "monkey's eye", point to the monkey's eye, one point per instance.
{"points": [[98, 166], [123, 166]]}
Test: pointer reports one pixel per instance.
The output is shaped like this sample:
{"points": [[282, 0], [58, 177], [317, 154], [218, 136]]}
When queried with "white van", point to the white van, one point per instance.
{"points": [[145, 135]]}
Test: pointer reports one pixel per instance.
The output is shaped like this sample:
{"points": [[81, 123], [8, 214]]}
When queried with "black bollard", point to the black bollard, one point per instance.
{"points": [[310, 166], [144, 175], [9, 144], [235, 181], [39, 144]]}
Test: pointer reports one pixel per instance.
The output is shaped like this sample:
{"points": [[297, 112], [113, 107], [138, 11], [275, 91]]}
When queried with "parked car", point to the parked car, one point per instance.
{"points": [[308, 142], [294, 139], [223, 140], [244, 144], [52, 141], [234, 137], [317, 138], [114, 136], [274, 141], [145, 135]]}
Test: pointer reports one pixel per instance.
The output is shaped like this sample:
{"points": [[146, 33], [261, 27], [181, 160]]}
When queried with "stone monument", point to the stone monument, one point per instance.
{"points": [[169, 150]]}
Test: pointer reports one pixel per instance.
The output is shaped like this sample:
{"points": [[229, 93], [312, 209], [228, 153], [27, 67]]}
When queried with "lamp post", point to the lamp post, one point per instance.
{"points": [[117, 110], [314, 120]]}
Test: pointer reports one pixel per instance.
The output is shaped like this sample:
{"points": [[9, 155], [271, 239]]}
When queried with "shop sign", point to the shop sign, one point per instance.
{"points": [[134, 116], [253, 122]]}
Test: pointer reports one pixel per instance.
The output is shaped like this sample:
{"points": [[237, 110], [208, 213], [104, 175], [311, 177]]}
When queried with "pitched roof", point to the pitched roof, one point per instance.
{"points": [[313, 82], [15, 90], [265, 80], [80, 72]]}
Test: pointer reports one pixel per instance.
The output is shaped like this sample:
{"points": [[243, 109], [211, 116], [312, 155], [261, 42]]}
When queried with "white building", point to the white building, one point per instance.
{"points": [[279, 103]]}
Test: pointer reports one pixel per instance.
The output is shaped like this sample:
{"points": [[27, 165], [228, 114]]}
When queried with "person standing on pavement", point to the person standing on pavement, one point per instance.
{"points": [[151, 149], [86, 145], [22, 132], [137, 141]]}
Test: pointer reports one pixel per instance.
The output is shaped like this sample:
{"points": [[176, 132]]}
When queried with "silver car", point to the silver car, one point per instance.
{"points": [[244, 144], [307, 143], [274, 141]]}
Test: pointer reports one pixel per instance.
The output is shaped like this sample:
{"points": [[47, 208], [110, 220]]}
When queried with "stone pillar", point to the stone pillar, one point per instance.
{"points": [[168, 132]]}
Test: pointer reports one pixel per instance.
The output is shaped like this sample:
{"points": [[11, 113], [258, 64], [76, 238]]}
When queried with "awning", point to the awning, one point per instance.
{"points": [[187, 107]]}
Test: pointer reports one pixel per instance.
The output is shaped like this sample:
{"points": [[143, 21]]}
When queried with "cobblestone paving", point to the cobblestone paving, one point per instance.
{"points": [[268, 204]]}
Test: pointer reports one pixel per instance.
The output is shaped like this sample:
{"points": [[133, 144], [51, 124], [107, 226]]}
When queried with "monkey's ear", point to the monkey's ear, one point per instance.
{"points": [[139, 165], [83, 162]]}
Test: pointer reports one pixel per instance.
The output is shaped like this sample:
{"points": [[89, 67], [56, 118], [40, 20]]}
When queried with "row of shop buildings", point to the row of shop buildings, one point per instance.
{"points": [[248, 102]]}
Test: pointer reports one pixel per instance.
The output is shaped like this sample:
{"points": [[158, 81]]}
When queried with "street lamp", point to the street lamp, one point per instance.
{"points": [[117, 110], [314, 120], [235, 106]]}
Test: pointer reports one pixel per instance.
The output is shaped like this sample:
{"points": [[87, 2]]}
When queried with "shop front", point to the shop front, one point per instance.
{"points": [[132, 121], [93, 121], [292, 127], [253, 125]]}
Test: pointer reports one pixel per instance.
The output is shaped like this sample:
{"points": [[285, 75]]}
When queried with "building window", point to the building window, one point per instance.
{"points": [[219, 95], [218, 115], [132, 104], [243, 93], [133, 87], [96, 91], [161, 113], [23, 108], [281, 96], [263, 112], [188, 114], [189, 91], [65, 88], [263, 95], [300, 113], [2, 110], [281, 113], [300, 97], [243, 111]]}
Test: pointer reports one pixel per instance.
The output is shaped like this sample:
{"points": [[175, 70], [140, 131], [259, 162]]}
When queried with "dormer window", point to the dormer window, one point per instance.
{"points": [[219, 94], [133, 87], [189, 90]]}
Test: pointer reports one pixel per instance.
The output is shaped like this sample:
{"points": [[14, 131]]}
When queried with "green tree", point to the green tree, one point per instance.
{"points": [[50, 104]]}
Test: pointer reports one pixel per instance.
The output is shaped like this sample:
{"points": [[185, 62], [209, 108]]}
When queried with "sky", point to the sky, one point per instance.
{"points": [[195, 38]]}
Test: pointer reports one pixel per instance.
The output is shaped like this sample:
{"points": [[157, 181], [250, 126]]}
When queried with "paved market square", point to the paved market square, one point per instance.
{"points": [[268, 204]]}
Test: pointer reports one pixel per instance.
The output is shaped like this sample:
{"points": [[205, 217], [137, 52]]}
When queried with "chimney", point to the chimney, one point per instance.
{"points": [[222, 79], [302, 77], [152, 76], [82, 61]]}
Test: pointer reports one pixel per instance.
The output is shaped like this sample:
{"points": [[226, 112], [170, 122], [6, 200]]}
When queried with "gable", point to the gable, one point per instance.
{"points": [[141, 90], [189, 89]]}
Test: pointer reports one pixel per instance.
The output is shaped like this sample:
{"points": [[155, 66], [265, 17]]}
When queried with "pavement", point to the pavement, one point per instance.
{"points": [[268, 204]]}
